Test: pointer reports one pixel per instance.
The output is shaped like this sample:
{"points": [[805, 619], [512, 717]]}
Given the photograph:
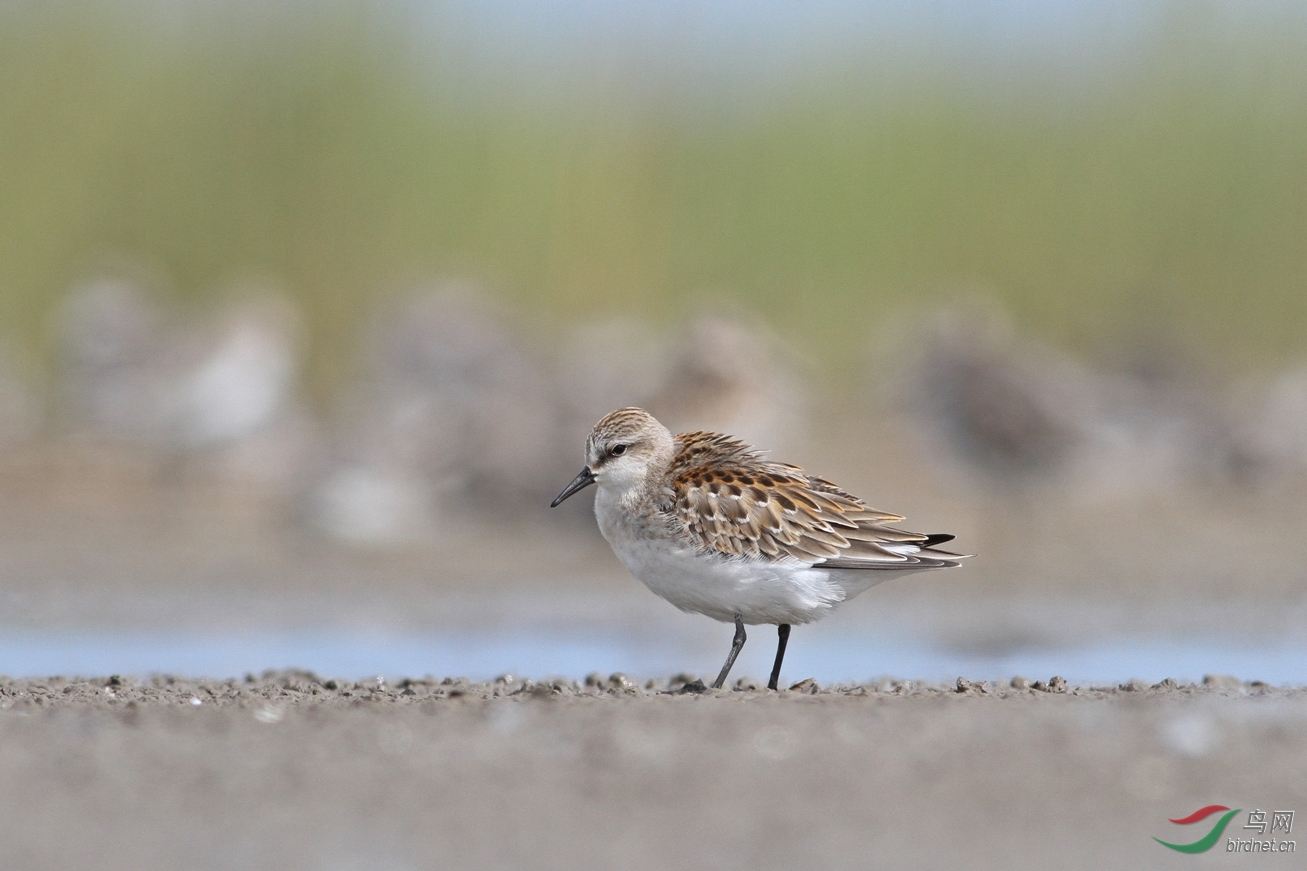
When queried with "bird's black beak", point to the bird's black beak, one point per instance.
{"points": [[583, 479]]}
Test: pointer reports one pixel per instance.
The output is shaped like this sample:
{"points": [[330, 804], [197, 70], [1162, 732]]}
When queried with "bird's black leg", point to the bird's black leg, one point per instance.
{"points": [[783, 631], [736, 645]]}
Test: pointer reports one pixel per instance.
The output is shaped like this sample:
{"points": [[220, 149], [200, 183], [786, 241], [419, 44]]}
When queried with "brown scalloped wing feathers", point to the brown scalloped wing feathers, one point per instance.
{"points": [[733, 502]]}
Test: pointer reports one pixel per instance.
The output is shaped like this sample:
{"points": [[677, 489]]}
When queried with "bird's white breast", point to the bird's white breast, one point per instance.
{"points": [[758, 591]]}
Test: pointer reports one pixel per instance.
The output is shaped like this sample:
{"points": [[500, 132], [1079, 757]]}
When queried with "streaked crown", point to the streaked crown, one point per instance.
{"points": [[624, 423]]}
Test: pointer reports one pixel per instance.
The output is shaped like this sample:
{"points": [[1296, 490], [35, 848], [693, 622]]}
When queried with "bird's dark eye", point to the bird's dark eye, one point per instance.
{"points": [[617, 450]]}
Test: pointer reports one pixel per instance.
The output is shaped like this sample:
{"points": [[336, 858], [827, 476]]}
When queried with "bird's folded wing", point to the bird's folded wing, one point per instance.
{"points": [[745, 507]]}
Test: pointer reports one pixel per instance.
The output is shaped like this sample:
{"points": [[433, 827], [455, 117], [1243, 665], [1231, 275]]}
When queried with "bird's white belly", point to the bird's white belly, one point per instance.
{"points": [[759, 592]]}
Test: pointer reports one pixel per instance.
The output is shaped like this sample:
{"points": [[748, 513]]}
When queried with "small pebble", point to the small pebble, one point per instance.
{"points": [[1222, 681]]}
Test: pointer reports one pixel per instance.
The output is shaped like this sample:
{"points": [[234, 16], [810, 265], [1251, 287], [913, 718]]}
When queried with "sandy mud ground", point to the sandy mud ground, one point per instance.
{"points": [[292, 771]]}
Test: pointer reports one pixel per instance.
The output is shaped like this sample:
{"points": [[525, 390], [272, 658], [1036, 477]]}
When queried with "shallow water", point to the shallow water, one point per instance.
{"points": [[829, 657]]}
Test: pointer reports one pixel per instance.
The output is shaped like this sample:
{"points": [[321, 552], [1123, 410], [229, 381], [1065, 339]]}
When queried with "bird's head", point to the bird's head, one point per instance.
{"points": [[623, 450]]}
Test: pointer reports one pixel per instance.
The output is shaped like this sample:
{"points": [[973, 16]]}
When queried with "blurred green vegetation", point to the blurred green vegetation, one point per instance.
{"points": [[1170, 194]]}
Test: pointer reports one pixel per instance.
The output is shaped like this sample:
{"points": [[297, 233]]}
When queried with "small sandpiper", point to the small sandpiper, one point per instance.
{"points": [[705, 522]]}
